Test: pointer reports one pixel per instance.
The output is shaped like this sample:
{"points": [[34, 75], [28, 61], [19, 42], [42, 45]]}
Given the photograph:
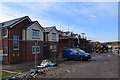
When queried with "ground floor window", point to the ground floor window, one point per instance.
{"points": [[5, 50], [35, 49], [53, 48], [15, 42]]}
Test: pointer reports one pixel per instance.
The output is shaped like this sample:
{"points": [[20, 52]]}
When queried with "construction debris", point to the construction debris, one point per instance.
{"points": [[30, 74], [46, 63], [33, 73]]}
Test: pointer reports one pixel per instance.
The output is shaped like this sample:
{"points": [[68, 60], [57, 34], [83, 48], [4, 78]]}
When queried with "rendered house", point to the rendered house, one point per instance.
{"points": [[51, 38], [21, 39]]}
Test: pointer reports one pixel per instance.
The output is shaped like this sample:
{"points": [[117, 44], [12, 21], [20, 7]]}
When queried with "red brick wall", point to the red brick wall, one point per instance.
{"points": [[50, 53], [5, 44], [14, 56], [5, 60], [27, 51]]}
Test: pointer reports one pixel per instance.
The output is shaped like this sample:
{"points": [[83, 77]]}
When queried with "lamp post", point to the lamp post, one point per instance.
{"points": [[36, 57], [54, 49]]}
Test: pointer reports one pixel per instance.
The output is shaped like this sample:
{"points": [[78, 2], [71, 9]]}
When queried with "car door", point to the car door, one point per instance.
{"points": [[74, 54]]}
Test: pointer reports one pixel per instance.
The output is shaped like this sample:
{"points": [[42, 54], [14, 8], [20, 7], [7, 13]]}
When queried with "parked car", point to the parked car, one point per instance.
{"points": [[117, 50], [75, 53]]}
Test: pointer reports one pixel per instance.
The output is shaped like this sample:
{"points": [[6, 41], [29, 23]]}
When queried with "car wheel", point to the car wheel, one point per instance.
{"points": [[86, 59], [65, 59], [81, 58]]}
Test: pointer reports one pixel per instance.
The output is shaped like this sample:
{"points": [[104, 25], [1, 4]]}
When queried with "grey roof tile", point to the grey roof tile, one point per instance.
{"points": [[48, 29], [29, 24], [11, 22]]}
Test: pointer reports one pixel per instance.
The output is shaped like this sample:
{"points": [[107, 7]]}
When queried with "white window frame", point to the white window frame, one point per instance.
{"points": [[7, 51], [35, 34], [54, 36], [35, 51], [6, 33], [17, 42], [38, 49]]}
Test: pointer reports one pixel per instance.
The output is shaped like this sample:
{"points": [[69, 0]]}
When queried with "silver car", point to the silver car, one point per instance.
{"points": [[117, 50]]}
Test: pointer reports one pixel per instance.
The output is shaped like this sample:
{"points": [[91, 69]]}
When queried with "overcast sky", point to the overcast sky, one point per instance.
{"points": [[98, 20]]}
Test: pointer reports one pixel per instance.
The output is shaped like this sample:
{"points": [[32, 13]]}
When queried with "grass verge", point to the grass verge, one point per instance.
{"points": [[7, 74]]}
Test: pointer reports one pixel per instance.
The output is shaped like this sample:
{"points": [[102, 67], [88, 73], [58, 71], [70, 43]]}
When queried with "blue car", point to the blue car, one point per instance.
{"points": [[1, 58], [75, 53]]}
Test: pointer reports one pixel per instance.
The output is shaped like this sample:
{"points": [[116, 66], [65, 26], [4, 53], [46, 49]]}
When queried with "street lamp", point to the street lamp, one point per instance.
{"points": [[36, 57]]}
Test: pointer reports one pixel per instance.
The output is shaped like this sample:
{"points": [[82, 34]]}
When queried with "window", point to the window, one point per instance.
{"points": [[35, 49], [5, 51], [16, 42], [4, 33], [35, 34], [54, 36]]}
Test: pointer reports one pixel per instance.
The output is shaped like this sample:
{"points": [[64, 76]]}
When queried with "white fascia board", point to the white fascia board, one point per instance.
{"points": [[55, 29], [34, 24], [20, 21]]}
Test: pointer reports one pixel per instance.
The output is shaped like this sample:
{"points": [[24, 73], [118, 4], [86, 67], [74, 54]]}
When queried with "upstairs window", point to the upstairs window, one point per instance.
{"points": [[15, 42], [54, 36], [35, 34], [4, 33]]}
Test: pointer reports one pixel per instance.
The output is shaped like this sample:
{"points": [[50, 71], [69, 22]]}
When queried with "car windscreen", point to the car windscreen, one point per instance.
{"points": [[75, 51], [81, 51]]}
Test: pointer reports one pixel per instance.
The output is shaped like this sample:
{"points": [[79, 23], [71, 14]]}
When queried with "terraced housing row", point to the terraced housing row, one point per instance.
{"points": [[22, 38]]}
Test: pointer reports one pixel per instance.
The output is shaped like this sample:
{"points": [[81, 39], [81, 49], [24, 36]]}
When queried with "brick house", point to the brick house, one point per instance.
{"points": [[51, 38], [21, 39]]}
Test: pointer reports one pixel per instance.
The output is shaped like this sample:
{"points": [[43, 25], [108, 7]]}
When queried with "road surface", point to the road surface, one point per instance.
{"points": [[100, 66]]}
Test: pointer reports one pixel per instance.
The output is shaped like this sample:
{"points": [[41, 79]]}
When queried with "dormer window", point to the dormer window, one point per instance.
{"points": [[54, 36], [4, 33], [35, 33]]}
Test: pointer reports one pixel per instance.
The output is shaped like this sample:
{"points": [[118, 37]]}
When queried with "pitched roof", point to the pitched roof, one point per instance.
{"points": [[31, 23], [12, 22], [48, 29]]}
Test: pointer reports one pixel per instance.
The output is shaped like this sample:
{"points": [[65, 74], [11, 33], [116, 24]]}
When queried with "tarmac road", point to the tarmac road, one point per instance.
{"points": [[100, 66]]}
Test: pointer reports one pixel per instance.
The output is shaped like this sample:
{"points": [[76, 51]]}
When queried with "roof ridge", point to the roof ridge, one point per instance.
{"points": [[14, 19], [50, 27]]}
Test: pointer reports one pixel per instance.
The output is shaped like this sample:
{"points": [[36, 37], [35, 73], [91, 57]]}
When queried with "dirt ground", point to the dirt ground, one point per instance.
{"points": [[100, 66]]}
